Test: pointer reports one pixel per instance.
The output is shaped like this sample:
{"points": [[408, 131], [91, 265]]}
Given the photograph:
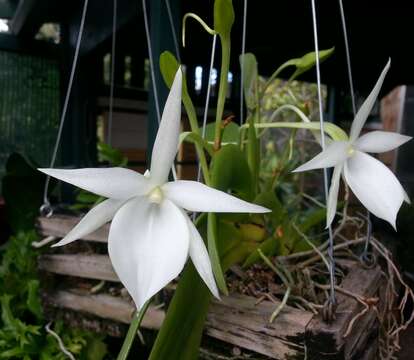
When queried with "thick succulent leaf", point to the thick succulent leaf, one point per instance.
{"points": [[248, 63], [223, 17]]}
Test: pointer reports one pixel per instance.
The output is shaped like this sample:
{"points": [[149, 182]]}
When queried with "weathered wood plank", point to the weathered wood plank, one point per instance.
{"points": [[85, 266], [240, 321], [104, 306], [236, 320], [327, 341], [60, 225]]}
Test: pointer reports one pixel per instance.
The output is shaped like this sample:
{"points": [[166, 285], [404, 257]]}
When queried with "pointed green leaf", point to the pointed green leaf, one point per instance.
{"points": [[223, 17], [248, 63]]}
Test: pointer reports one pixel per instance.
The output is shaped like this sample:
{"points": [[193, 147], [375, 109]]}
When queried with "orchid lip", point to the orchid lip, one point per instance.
{"points": [[156, 195]]}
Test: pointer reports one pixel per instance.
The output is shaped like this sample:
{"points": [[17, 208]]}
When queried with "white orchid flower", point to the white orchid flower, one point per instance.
{"points": [[151, 235], [370, 180]]}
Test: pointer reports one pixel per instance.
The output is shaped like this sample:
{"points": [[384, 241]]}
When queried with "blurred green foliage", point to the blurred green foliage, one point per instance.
{"points": [[22, 324]]}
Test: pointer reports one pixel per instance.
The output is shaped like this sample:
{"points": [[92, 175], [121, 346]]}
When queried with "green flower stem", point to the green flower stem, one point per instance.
{"points": [[200, 21], [274, 76], [225, 64], [132, 331]]}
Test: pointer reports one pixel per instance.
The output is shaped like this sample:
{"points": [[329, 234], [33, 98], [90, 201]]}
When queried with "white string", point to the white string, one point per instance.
{"points": [[243, 50], [111, 91], [174, 34], [353, 100], [325, 172], [46, 208], [152, 71], [210, 73]]}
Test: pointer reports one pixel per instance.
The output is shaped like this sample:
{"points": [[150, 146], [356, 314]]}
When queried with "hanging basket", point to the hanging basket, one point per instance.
{"points": [[238, 320]]}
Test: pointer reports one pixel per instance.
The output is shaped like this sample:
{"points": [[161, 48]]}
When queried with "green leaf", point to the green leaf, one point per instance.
{"points": [[223, 17], [231, 134], [111, 155], [214, 253], [268, 247], [180, 335], [230, 172], [248, 63], [33, 300]]}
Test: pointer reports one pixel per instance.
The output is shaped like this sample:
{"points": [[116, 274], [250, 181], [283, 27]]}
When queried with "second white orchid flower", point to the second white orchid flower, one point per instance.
{"points": [[151, 236], [370, 180]]}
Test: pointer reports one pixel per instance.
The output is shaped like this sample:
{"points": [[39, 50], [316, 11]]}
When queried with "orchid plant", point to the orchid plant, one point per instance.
{"points": [[151, 235]]}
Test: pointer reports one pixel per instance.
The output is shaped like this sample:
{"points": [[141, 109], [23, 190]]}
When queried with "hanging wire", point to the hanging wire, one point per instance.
{"points": [[46, 209], [332, 299], [174, 34], [152, 71], [243, 50], [111, 91], [365, 254], [210, 71], [151, 60], [348, 57]]}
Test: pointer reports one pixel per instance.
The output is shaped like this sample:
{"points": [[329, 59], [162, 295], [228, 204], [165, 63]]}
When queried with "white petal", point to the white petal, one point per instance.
{"points": [[366, 108], [195, 196], [116, 183], [93, 220], [201, 260], [333, 194], [148, 246], [380, 141], [334, 154], [166, 143], [375, 186]]}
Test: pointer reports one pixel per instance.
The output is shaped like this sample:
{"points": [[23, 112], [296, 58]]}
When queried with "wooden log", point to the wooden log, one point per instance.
{"points": [[60, 225], [326, 341], [85, 266], [236, 320]]}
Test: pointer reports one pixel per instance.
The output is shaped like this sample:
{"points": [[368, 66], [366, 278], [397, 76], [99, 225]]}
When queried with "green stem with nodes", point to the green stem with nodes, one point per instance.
{"points": [[225, 64], [132, 331]]}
